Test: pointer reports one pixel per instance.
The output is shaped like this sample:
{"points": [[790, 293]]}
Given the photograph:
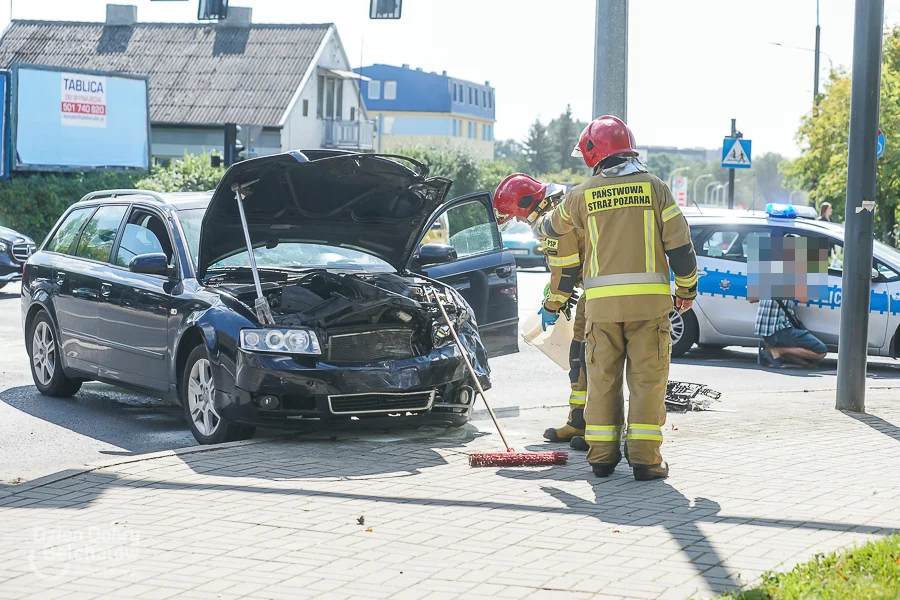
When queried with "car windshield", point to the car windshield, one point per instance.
{"points": [[291, 255], [518, 228]]}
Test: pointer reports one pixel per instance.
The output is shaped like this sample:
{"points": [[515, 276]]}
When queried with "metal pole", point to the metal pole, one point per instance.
{"points": [[730, 186], [816, 78], [706, 196], [860, 212], [673, 173], [611, 59], [696, 181]]}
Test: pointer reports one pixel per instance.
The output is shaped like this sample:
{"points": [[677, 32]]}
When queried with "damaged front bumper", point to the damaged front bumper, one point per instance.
{"points": [[281, 391]]}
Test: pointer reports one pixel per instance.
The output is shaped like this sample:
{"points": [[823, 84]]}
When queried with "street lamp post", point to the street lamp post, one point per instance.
{"points": [[712, 184], [816, 78], [673, 173], [720, 194], [696, 181], [791, 197]]}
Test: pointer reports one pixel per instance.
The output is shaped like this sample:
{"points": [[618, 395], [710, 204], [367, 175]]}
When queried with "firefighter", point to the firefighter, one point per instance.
{"points": [[631, 225], [521, 198]]}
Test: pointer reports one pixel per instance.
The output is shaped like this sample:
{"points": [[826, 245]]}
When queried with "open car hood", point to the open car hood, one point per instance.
{"points": [[365, 202]]}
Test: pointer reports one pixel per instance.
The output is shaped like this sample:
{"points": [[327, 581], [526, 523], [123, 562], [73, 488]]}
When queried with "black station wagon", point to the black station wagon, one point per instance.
{"points": [[331, 317]]}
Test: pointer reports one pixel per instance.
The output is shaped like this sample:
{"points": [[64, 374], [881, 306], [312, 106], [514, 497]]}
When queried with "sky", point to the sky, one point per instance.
{"points": [[693, 64]]}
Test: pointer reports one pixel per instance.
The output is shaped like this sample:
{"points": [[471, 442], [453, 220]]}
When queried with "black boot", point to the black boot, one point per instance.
{"points": [[651, 472], [603, 470], [578, 443]]}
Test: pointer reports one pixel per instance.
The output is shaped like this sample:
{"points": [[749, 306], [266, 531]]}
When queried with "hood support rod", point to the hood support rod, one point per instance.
{"points": [[261, 305]]}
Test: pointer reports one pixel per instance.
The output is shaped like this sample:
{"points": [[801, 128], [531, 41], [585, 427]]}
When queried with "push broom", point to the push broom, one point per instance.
{"points": [[509, 458]]}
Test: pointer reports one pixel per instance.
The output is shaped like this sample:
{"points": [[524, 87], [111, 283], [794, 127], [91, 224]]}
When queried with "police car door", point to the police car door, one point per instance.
{"points": [[822, 317], [722, 259]]}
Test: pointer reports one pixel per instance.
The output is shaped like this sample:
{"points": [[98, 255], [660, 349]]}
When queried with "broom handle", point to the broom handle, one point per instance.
{"points": [[465, 356]]}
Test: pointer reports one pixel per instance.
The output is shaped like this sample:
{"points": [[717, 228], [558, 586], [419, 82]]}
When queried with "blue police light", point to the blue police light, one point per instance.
{"points": [[781, 211]]}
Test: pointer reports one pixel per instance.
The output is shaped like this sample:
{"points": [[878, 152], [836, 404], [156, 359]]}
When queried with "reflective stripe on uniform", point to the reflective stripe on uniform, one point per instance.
{"points": [[670, 213], [578, 397], [557, 298], [641, 431], [602, 433], [595, 236], [632, 289], [649, 240], [563, 261], [562, 212], [625, 278], [686, 282]]}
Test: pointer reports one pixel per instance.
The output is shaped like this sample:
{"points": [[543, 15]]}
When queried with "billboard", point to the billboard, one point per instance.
{"points": [[76, 120], [4, 124]]}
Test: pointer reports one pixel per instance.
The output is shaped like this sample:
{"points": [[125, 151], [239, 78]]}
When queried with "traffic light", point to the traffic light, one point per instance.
{"points": [[233, 144], [385, 9]]}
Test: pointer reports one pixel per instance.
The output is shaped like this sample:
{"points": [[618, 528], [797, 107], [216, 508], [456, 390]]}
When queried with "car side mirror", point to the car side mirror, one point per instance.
{"points": [[875, 274], [155, 263], [435, 254]]}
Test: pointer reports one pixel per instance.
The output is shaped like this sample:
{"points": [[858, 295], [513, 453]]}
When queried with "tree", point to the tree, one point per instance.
{"points": [[824, 133], [192, 173], [564, 132], [538, 149]]}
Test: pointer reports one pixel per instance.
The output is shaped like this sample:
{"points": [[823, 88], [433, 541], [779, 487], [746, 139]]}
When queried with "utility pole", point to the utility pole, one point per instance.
{"points": [[860, 207], [730, 185], [816, 77], [611, 59]]}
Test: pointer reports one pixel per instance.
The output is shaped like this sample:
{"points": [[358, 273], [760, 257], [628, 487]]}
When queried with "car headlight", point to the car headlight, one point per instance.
{"points": [[284, 341], [3, 246]]}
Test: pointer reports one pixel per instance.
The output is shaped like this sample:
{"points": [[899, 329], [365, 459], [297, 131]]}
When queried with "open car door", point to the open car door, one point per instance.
{"points": [[483, 271]]}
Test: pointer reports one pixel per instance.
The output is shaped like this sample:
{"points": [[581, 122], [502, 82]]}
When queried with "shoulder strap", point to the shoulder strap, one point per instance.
{"points": [[795, 322]]}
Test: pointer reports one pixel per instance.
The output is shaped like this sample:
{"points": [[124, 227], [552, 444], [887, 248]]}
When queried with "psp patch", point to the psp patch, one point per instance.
{"points": [[611, 197], [551, 245]]}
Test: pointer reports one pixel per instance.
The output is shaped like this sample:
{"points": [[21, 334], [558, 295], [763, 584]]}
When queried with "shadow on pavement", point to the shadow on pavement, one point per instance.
{"points": [[877, 423]]}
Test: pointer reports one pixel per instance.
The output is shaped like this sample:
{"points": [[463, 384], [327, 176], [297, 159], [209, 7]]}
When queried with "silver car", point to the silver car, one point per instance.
{"points": [[722, 316]]}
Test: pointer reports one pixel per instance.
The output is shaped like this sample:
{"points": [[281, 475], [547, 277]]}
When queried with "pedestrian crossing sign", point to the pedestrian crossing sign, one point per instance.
{"points": [[736, 153]]}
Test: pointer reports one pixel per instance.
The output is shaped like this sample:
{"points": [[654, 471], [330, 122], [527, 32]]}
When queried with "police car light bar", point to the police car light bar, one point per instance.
{"points": [[781, 211]]}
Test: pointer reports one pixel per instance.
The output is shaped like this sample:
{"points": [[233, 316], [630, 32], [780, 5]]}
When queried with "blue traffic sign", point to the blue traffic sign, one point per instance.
{"points": [[736, 153], [881, 144]]}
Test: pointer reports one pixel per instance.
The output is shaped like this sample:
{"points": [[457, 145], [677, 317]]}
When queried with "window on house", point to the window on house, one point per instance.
{"points": [[331, 98], [454, 91], [339, 108], [352, 113], [374, 90], [491, 100], [320, 96], [476, 97], [306, 108], [472, 127], [470, 96], [483, 98], [390, 90]]}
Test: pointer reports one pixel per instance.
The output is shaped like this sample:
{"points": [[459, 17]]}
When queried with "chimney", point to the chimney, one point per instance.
{"points": [[405, 65], [419, 69], [444, 73], [121, 15], [238, 16], [487, 83]]}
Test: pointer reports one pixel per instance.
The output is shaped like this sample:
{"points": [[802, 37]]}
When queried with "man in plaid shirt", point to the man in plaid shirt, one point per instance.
{"points": [[780, 339]]}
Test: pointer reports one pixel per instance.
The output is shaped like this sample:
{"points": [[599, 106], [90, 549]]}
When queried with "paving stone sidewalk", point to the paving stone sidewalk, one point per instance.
{"points": [[401, 515]]}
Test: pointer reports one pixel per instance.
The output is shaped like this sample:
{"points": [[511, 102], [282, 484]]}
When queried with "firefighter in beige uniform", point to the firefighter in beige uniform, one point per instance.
{"points": [[631, 225], [521, 198]]}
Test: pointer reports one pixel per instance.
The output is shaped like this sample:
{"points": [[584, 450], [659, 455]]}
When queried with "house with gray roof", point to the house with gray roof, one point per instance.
{"points": [[289, 86]]}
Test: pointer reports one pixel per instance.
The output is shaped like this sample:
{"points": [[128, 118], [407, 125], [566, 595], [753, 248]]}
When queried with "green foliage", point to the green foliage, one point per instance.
{"points": [[193, 173], [453, 164], [869, 571], [539, 151], [492, 173], [564, 132], [31, 203], [824, 133]]}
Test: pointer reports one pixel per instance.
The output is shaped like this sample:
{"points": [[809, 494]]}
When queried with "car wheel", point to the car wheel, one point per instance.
{"points": [[197, 393], [685, 332], [2, 284], [46, 368]]}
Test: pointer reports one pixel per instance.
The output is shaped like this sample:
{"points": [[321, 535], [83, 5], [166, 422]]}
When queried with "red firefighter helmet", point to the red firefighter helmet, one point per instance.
{"points": [[604, 137], [516, 197]]}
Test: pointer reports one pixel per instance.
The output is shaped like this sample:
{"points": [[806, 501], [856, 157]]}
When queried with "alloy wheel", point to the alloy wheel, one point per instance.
{"points": [[677, 326], [43, 353], [200, 398]]}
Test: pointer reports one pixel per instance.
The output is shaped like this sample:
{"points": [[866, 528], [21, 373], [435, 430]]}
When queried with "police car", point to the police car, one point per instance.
{"points": [[722, 315]]}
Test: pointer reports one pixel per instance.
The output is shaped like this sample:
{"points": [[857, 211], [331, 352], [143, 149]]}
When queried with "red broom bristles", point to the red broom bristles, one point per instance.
{"points": [[518, 459]]}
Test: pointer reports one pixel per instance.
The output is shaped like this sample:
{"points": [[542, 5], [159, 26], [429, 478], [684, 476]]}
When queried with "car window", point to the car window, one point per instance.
{"points": [[885, 271], [100, 233], [145, 233], [471, 229], [65, 235], [732, 244]]}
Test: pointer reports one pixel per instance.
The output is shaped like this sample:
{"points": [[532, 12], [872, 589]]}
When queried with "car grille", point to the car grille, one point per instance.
{"points": [[371, 346], [21, 252], [380, 403]]}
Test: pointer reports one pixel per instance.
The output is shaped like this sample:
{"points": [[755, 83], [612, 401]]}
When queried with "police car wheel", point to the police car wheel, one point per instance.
{"points": [[685, 332]]}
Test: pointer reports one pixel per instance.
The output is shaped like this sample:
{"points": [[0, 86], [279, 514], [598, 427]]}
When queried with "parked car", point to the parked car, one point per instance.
{"points": [[157, 292], [722, 316], [525, 247], [15, 249]]}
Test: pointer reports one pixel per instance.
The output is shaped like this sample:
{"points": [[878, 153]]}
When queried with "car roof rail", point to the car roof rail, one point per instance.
{"points": [[117, 193]]}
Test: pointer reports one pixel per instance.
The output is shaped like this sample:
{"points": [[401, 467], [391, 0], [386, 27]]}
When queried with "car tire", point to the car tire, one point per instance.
{"points": [[197, 392], [685, 332], [2, 285], [44, 357]]}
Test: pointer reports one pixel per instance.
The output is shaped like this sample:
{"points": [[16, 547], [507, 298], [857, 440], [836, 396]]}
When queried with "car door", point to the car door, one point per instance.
{"points": [[135, 309], [484, 272], [74, 299], [722, 266]]}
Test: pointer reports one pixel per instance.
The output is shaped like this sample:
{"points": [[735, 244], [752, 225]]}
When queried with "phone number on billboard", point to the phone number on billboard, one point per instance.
{"points": [[84, 109]]}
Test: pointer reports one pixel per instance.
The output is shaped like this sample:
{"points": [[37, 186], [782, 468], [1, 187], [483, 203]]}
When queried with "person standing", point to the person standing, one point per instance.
{"points": [[631, 226], [825, 211], [521, 198]]}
